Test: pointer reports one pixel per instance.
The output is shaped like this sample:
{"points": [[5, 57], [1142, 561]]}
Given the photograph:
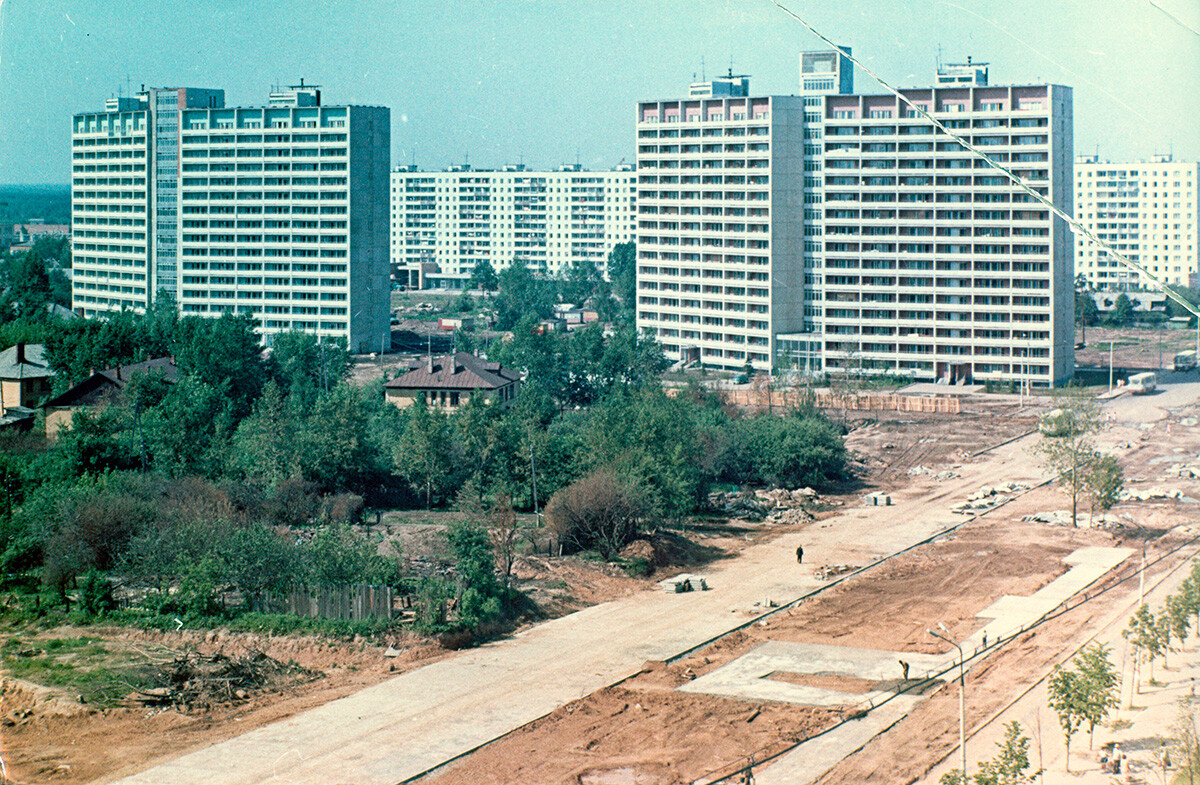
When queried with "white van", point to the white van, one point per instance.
{"points": [[1185, 361], [1142, 383]]}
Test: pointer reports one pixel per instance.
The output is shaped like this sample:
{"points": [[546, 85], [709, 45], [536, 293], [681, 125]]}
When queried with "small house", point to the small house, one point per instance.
{"points": [[449, 381], [100, 387], [25, 376]]}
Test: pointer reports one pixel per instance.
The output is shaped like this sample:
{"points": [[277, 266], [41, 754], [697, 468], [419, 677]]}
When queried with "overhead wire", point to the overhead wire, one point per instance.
{"points": [[1076, 226]]}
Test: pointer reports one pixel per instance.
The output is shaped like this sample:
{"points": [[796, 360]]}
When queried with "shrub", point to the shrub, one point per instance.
{"points": [[598, 511]]}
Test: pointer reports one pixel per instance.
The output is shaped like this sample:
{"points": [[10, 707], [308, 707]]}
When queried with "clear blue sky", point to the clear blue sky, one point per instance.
{"points": [[546, 80]]}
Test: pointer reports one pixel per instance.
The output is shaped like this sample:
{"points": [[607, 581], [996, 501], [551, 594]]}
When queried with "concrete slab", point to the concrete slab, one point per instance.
{"points": [[747, 676], [812, 759]]}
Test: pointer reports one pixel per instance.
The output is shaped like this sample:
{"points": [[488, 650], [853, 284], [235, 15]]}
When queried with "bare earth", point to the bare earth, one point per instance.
{"points": [[641, 730]]}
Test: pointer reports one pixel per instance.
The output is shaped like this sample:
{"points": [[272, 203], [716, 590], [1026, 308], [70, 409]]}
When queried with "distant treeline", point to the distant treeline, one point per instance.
{"points": [[21, 203]]}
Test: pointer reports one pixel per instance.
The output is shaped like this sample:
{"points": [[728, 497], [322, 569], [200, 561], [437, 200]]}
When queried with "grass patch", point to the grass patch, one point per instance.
{"points": [[80, 666]]}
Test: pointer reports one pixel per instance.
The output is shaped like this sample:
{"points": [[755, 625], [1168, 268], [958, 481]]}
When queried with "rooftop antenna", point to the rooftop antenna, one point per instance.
{"points": [[703, 77]]}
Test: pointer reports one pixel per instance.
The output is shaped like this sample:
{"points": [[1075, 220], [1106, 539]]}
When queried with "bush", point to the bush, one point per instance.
{"points": [[96, 595], [598, 511]]}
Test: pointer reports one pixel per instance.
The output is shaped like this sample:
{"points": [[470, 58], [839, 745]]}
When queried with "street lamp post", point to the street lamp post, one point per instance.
{"points": [[962, 698]]}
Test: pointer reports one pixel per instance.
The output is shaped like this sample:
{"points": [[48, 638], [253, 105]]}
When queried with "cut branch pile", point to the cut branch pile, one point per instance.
{"points": [[193, 680]]}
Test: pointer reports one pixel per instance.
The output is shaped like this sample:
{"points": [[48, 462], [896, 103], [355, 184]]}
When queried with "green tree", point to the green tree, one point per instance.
{"points": [[1101, 685], [1104, 481], [1066, 692], [338, 555], [1121, 313], [483, 277], [1179, 614], [422, 456], [481, 598], [303, 366], [266, 450], [338, 451], [622, 271], [521, 294], [1145, 636], [223, 351], [1009, 767], [1070, 453]]}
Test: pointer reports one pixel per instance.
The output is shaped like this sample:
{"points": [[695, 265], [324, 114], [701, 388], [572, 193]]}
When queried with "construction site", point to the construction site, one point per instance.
{"points": [[820, 669]]}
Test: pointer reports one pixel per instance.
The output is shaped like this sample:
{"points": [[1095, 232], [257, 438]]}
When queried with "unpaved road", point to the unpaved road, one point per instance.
{"points": [[417, 721]]}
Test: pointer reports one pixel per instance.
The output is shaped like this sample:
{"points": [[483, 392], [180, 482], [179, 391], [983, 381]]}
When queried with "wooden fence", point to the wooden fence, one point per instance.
{"points": [[352, 602], [790, 399]]}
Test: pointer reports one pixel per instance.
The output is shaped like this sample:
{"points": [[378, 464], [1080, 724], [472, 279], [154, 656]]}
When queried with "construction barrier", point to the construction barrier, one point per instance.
{"points": [[791, 399]]}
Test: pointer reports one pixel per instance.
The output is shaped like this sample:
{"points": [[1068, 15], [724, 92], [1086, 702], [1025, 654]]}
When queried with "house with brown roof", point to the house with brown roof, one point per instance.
{"points": [[25, 375], [99, 388], [448, 382]]}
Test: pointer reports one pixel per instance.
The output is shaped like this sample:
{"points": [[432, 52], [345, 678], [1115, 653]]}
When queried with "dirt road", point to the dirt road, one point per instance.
{"points": [[408, 725]]}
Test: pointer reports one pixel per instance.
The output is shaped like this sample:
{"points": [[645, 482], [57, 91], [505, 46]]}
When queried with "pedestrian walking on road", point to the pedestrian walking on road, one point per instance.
{"points": [[799, 554], [904, 669]]}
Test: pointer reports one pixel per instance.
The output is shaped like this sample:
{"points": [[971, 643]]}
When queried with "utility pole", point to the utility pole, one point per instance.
{"points": [[962, 698], [1110, 362]]}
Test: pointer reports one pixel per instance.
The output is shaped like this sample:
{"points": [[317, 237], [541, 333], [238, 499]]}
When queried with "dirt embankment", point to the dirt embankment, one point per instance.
{"points": [[50, 737]]}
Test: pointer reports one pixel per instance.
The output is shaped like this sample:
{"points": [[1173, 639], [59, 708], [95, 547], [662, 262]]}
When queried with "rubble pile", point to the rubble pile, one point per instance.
{"points": [[774, 505], [830, 571], [1188, 471], [1146, 494], [193, 680], [989, 496], [940, 476]]}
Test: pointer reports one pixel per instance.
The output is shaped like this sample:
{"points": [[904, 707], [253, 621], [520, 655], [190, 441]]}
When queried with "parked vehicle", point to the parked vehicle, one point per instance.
{"points": [[1142, 383], [1185, 361]]}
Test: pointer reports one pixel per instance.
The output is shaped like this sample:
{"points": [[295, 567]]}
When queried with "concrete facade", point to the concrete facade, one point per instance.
{"points": [[868, 241], [444, 223], [932, 263], [278, 211], [1147, 211], [719, 244]]}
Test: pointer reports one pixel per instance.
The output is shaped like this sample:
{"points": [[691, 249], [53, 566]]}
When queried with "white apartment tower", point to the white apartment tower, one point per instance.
{"points": [[933, 263], [843, 232], [445, 223], [719, 267], [279, 211], [1147, 211]]}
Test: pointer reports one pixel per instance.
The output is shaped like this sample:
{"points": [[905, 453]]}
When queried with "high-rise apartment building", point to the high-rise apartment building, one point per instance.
{"points": [[933, 263], [445, 223], [719, 267], [277, 211], [869, 240], [1147, 211]]}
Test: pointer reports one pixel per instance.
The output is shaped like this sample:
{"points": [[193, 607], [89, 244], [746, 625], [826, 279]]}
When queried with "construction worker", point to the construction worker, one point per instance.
{"points": [[799, 554]]}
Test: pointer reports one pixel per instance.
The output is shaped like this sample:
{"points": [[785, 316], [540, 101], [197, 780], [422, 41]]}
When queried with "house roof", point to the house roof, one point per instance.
{"points": [[91, 389], [33, 366], [458, 371]]}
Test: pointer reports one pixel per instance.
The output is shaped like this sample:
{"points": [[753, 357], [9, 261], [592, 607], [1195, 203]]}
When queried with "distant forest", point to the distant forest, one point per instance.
{"points": [[20, 203]]}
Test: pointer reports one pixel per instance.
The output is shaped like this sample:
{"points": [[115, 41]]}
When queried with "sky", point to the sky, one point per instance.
{"points": [[548, 82]]}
